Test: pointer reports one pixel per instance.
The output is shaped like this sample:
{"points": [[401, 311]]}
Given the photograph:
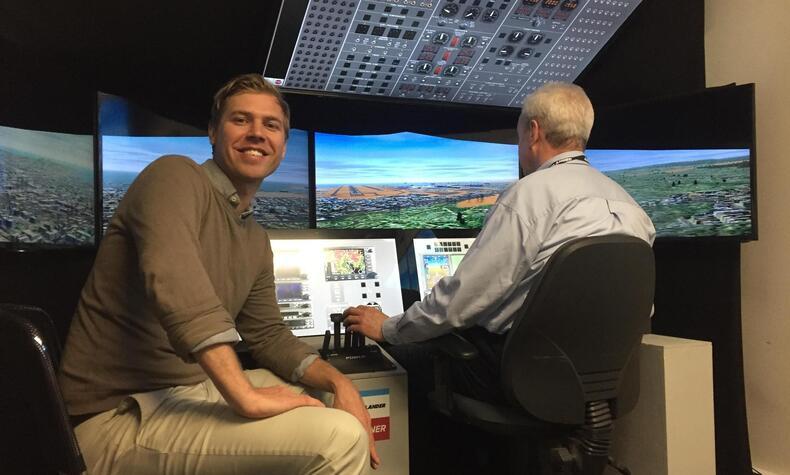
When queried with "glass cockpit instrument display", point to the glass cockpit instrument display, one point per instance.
{"points": [[438, 258], [315, 278]]}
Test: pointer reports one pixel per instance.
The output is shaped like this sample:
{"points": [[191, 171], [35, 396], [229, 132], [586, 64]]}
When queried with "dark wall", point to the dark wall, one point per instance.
{"points": [[698, 296], [50, 279], [659, 52]]}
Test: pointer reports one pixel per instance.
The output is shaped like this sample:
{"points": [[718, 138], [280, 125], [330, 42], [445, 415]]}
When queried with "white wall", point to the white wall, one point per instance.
{"points": [[749, 41]]}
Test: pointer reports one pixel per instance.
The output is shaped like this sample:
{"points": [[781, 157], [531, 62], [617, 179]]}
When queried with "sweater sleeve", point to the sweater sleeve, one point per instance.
{"points": [[162, 212], [271, 342]]}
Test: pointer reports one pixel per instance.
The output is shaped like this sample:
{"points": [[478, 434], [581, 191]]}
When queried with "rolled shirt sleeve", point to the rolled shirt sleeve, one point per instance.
{"points": [[230, 336]]}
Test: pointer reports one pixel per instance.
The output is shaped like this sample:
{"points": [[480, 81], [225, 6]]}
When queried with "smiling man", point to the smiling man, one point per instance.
{"points": [[149, 373], [248, 135]]}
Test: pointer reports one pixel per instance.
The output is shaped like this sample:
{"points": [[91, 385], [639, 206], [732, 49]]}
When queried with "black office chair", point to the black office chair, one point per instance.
{"points": [[36, 433], [570, 362]]}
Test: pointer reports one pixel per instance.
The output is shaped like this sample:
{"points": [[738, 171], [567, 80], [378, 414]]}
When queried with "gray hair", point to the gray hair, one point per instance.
{"points": [[563, 111]]}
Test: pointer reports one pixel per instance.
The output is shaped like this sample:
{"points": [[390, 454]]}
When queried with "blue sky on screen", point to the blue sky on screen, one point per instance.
{"points": [[71, 149], [132, 154], [610, 160], [410, 158]]}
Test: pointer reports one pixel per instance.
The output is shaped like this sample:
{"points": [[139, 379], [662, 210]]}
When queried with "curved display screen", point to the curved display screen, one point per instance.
{"points": [[46, 188], [408, 181]]}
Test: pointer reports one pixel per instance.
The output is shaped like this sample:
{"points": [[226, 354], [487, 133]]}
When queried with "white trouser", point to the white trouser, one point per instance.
{"points": [[191, 430]]}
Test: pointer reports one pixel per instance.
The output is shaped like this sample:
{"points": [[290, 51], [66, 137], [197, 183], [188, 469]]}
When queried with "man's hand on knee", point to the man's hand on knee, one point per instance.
{"points": [[324, 376], [222, 366], [272, 400], [347, 398]]}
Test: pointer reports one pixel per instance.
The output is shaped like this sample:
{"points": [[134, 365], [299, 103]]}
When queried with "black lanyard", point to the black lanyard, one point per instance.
{"points": [[569, 159]]}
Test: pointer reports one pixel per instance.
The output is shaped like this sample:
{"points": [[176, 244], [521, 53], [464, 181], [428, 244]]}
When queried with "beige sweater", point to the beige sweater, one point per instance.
{"points": [[177, 266]]}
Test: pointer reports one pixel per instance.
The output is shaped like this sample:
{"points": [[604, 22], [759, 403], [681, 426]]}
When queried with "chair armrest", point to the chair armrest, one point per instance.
{"points": [[454, 346], [442, 349]]}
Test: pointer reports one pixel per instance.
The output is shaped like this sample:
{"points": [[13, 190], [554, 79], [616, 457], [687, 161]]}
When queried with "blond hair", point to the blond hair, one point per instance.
{"points": [[242, 84]]}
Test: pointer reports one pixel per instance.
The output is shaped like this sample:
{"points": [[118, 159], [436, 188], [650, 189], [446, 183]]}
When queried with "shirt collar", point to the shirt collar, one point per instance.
{"points": [[561, 156], [222, 183]]}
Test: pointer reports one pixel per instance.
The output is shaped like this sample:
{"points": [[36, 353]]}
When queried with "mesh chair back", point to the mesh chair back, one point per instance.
{"points": [[577, 336]]}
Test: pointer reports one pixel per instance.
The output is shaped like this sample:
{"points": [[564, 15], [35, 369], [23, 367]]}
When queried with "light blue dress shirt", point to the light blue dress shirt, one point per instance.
{"points": [[564, 199]]}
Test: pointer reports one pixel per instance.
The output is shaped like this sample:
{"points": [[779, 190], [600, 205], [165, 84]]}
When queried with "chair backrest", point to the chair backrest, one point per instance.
{"points": [[37, 433], [577, 336]]}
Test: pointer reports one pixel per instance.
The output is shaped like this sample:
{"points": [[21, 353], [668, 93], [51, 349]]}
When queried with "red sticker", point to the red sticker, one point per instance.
{"points": [[381, 428]]}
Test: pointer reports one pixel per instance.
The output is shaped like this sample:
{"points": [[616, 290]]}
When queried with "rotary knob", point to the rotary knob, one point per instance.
{"points": [[449, 10], [525, 53], [469, 41], [490, 15], [452, 71], [440, 38], [471, 13], [505, 51], [535, 38], [424, 68]]}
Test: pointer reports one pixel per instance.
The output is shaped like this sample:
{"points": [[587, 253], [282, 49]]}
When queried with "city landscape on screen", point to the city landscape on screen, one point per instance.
{"points": [[413, 181], [281, 202], [46, 188], [408, 180]]}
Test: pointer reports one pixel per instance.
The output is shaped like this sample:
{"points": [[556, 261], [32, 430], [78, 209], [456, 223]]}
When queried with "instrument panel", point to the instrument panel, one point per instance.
{"points": [[466, 51]]}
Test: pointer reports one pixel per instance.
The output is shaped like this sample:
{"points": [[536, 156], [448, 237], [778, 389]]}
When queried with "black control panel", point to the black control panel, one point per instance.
{"points": [[470, 51], [353, 355]]}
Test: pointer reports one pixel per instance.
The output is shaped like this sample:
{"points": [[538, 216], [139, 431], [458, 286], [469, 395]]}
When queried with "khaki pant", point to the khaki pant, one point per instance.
{"points": [[190, 429]]}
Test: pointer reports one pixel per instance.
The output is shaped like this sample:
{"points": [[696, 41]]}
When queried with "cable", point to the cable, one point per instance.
{"points": [[620, 468]]}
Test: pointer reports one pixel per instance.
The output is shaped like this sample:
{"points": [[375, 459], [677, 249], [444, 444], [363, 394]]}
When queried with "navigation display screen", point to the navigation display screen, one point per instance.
{"points": [[345, 264], [315, 278], [438, 258], [436, 267]]}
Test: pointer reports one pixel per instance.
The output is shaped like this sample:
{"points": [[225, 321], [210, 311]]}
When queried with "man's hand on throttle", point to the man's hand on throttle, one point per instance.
{"points": [[366, 320]]}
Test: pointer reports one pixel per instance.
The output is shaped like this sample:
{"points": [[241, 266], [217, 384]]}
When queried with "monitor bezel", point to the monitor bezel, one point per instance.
{"points": [[34, 247], [705, 119]]}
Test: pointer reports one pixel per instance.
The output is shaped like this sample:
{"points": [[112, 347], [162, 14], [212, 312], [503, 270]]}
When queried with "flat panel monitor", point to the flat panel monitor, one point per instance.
{"points": [[686, 193], [317, 277], [437, 258], [489, 53], [131, 138], [46, 189], [408, 180]]}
